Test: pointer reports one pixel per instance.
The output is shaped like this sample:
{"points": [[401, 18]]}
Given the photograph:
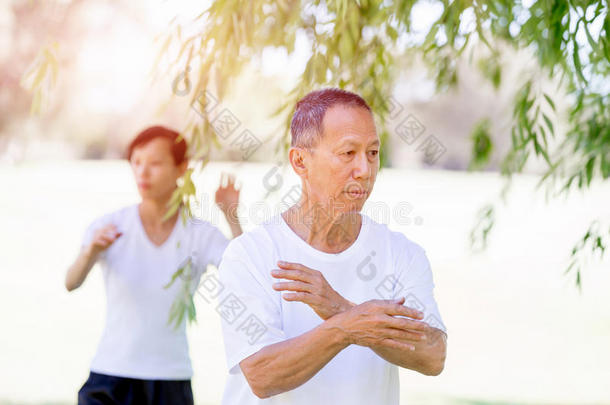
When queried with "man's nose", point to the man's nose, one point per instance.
{"points": [[142, 170], [362, 167]]}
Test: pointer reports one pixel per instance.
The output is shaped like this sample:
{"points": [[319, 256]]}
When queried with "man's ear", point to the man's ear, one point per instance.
{"points": [[182, 167], [298, 157]]}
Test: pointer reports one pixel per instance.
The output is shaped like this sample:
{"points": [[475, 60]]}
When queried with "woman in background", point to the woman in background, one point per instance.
{"points": [[141, 359]]}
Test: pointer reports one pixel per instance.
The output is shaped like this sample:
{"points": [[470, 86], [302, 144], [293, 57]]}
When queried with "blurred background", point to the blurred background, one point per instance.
{"points": [[496, 151]]}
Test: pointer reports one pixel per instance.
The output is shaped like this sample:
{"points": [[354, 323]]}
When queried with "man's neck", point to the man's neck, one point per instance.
{"points": [[152, 213], [321, 227]]}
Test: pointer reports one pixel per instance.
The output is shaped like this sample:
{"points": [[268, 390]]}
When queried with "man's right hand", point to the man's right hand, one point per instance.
{"points": [[103, 238], [381, 322]]}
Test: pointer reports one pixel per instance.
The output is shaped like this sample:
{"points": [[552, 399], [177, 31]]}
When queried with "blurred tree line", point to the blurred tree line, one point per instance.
{"points": [[357, 44]]}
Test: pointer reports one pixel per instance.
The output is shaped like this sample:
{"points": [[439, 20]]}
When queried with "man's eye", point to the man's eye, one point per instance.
{"points": [[349, 153], [374, 152]]}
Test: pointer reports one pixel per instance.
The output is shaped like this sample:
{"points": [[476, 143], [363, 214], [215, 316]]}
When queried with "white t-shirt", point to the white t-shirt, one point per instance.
{"points": [[380, 264], [137, 341]]}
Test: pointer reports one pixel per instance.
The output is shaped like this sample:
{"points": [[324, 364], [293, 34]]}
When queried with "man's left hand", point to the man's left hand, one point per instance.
{"points": [[310, 287]]}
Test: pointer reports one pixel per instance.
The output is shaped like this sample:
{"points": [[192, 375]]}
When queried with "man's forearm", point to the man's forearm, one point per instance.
{"points": [[428, 357], [77, 273], [286, 365], [234, 223]]}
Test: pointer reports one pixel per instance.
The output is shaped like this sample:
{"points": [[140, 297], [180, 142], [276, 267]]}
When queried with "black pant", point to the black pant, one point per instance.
{"points": [[102, 389]]}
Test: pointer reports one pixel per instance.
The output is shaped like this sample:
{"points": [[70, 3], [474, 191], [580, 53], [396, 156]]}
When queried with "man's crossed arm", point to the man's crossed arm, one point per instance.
{"points": [[406, 342], [424, 350]]}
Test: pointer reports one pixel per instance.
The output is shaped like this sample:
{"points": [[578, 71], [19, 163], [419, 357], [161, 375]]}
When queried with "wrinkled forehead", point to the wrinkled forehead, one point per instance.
{"points": [[348, 124]]}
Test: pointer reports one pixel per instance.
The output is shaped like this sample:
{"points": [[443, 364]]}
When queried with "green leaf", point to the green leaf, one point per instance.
{"points": [[543, 133], [577, 64], [430, 37], [354, 23], [549, 124], [346, 47], [589, 169], [482, 145], [592, 42], [392, 33], [320, 67], [177, 273], [171, 211], [550, 101], [192, 312]]}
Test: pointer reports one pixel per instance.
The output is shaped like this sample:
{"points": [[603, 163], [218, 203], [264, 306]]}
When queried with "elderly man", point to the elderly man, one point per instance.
{"points": [[321, 304]]}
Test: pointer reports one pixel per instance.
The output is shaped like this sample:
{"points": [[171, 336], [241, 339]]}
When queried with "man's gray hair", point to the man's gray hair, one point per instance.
{"points": [[306, 124]]}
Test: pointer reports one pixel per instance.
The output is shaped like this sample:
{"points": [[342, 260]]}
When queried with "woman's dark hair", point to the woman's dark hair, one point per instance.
{"points": [[177, 148]]}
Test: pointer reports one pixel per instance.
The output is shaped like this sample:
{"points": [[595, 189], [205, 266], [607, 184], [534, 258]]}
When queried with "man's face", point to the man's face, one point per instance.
{"points": [[154, 169], [342, 166]]}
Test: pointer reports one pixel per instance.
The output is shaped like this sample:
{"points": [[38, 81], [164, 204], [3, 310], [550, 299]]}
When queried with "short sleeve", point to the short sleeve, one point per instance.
{"points": [[248, 306], [414, 282], [90, 231], [217, 243]]}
